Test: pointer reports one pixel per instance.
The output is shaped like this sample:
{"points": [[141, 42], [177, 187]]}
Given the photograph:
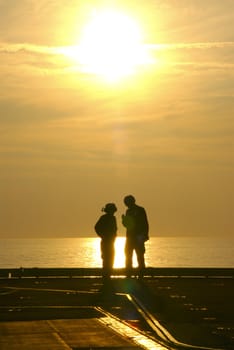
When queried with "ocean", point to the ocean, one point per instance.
{"points": [[85, 252]]}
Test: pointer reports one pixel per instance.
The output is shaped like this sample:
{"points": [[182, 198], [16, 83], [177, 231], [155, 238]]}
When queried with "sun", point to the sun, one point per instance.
{"points": [[111, 46]]}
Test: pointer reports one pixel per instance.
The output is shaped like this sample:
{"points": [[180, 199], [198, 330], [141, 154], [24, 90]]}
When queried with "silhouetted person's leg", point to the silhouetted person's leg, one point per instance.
{"points": [[140, 253], [109, 261], [128, 257], [108, 254], [105, 272]]}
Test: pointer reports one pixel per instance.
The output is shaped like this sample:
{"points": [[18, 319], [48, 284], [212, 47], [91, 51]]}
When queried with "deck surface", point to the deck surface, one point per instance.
{"points": [[68, 313]]}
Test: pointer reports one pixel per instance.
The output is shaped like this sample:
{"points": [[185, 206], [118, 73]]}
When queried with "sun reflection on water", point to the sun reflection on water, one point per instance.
{"points": [[119, 261], [119, 252], [120, 255]]}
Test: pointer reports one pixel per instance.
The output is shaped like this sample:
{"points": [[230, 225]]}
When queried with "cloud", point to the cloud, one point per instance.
{"points": [[24, 47], [57, 50], [28, 60], [198, 45], [36, 56]]}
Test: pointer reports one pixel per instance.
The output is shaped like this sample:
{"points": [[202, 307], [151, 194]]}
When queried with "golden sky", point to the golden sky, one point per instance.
{"points": [[74, 136]]}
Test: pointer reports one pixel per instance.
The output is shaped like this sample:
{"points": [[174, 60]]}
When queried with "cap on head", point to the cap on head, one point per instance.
{"points": [[129, 200], [110, 208]]}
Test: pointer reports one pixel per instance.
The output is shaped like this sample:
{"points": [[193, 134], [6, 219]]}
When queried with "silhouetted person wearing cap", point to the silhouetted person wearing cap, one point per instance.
{"points": [[136, 222], [106, 228]]}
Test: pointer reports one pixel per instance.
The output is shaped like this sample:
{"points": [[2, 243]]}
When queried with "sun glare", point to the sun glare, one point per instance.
{"points": [[111, 46], [120, 255], [119, 261], [119, 252]]}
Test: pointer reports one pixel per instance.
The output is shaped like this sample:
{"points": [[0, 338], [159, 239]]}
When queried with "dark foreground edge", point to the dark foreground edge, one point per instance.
{"points": [[96, 272], [183, 308]]}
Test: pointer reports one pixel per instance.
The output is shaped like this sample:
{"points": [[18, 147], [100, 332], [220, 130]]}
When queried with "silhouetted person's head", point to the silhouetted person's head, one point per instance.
{"points": [[129, 201], [110, 208]]}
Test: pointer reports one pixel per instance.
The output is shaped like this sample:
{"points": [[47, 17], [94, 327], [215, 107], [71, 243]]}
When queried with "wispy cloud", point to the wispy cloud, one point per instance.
{"points": [[54, 60], [194, 45], [58, 50]]}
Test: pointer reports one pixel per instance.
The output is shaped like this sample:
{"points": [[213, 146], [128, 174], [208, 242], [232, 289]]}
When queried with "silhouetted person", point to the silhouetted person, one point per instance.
{"points": [[106, 228], [136, 222]]}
